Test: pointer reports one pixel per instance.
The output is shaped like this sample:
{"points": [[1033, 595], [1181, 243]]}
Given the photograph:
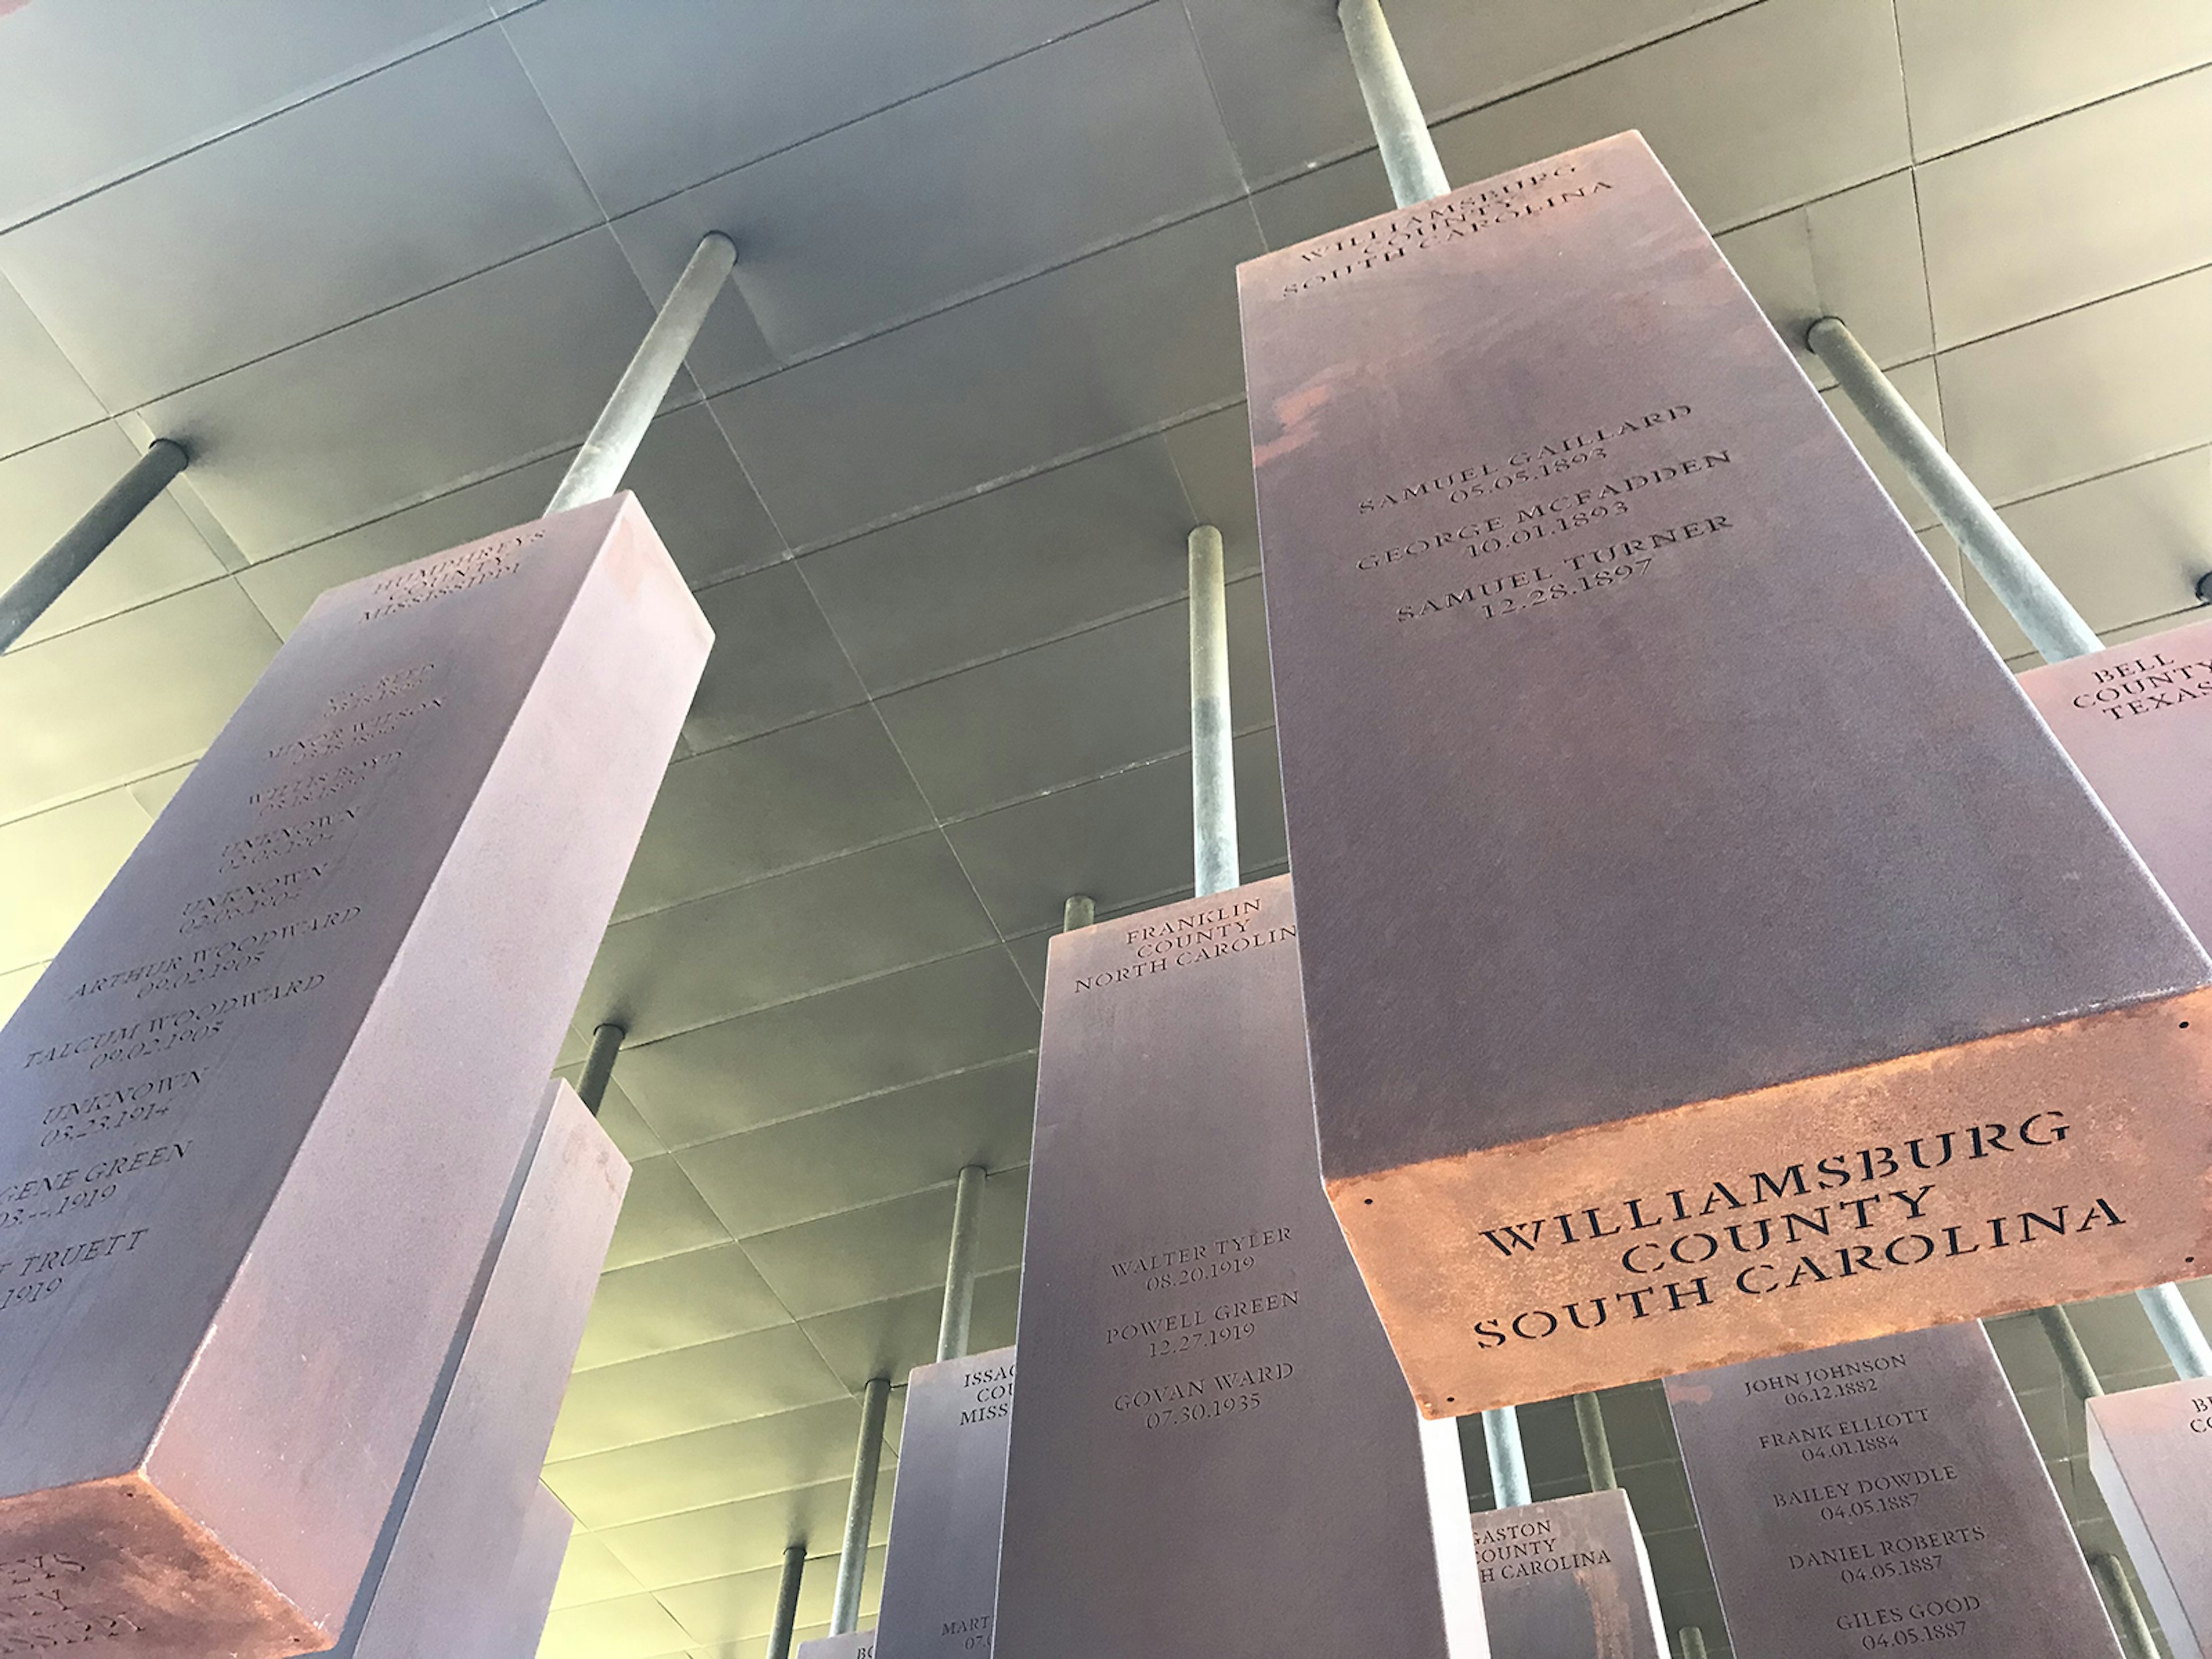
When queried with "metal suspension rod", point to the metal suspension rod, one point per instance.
{"points": [[2178, 1332], [860, 1510], [960, 1265], [1597, 1449], [787, 1601], [31, 592], [2073, 1358], [1078, 912], [599, 1065], [1509, 1465], [2127, 1610], [1409, 155], [2052, 625], [1212, 766], [1689, 1642], [597, 471]]}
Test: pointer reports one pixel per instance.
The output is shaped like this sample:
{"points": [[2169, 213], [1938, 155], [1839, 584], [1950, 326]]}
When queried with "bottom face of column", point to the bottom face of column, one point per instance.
{"points": [[114, 1566], [854, 1645], [1568, 1579], [2150, 1450]]}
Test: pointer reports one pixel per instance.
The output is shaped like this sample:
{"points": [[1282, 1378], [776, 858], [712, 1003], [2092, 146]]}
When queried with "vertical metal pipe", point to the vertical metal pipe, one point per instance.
{"points": [[29, 597], [1077, 912], [1689, 1642], [599, 1065], [2051, 622], [2127, 1612], [1212, 766], [597, 471], [1409, 155], [2073, 1357], [787, 1601], [1597, 1449], [1509, 1467], [2178, 1332], [861, 1509], [960, 1265]]}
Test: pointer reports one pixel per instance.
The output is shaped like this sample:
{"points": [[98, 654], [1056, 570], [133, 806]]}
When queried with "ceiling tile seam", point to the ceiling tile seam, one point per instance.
{"points": [[2045, 119], [109, 786], [313, 92], [1213, 101], [1006, 480], [817, 1217], [880, 109], [1119, 769], [567, 149], [70, 630], [745, 472], [1905, 93], [2201, 445], [106, 417], [779, 871], [1968, 343], [1012, 1057]]}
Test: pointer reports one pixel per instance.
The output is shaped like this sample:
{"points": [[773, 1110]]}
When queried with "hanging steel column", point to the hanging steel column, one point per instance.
{"points": [[597, 471], [1212, 765], [960, 1265], [31, 592], [2051, 624], [861, 1509], [1409, 155], [2178, 1332], [787, 1601], [2127, 1612], [599, 1065], [2073, 1358], [1689, 1642], [1509, 1465], [1597, 1447], [1077, 912]]}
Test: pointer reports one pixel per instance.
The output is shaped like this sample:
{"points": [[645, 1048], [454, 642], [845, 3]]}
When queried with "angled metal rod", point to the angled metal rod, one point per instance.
{"points": [[1079, 911], [861, 1509], [2073, 1358], [1212, 762], [2127, 1610], [960, 1265], [1409, 155], [599, 1065], [1597, 1447], [787, 1601], [597, 471], [1509, 1465], [2052, 623], [2178, 1332], [1689, 1642], [30, 595]]}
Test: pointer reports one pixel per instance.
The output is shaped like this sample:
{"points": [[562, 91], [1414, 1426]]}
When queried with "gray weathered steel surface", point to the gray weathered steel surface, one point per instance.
{"points": [[2138, 720], [941, 1569], [265, 1104], [1212, 1452], [2150, 1450], [1568, 1578], [468, 1502], [1883, 1496], [1661, 818], [854, 1644], [520, 1625]]}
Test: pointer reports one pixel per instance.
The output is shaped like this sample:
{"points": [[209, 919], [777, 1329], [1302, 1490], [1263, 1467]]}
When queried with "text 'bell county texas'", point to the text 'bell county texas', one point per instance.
{"points": [[1708, 953], [267, 1102]]}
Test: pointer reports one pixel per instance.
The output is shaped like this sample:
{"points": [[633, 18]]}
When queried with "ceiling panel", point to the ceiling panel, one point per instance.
{"points": [[54, 864], [891, 1337], [1213, 456], [1980, 67], [45, 395], [867, 1150], [2085, 392], [709, 1543], [409, 403], [1854, 255], [1814, 102], [1097, 538], [1063, 151], [699, 499], [1117, 342], [726, 85], [95, 90], [49, 488], [892, 1248], [138, 694], [2069, 211], [343, 205], [755, 1375], [741, 1607], [677, 1302], [729, 1462], [775, 660], [882, 1033], [631, 1627], [661, 1216], [15, 984], [826, 925], [589, 1572], [750, 810]]}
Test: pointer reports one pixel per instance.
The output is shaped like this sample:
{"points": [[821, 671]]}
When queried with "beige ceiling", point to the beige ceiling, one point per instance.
{"points": [[930, 471]]}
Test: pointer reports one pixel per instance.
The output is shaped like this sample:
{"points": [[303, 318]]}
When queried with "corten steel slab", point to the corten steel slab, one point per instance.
{"points": [[1883, 1495], [1212, 1452], [520, 1625], [265, 1107], [1568, 1578], [857, 1644], [1660, 818], [2150, 1450], [941, 1568], [2138, 720], [465, 1504]]}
